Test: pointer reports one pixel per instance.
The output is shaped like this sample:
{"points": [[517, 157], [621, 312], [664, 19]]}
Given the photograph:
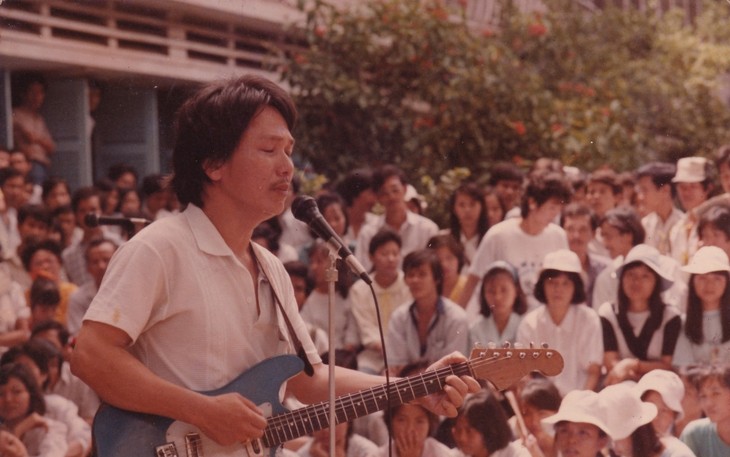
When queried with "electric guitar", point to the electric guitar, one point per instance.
{"points": [[120, 433]]}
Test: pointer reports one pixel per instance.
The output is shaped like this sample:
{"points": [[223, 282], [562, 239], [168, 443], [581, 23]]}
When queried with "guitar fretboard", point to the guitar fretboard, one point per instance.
{"points": [[293, 424]]}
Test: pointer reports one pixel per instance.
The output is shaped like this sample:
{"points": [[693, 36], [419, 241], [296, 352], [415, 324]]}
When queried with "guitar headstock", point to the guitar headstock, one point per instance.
{"points": [[505, 366]]}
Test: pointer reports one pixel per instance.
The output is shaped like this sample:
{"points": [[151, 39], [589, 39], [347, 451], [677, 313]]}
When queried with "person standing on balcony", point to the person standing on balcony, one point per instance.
{"points": [[30, 132]]}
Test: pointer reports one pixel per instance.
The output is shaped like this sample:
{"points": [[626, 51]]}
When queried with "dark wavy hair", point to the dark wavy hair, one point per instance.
{"points": [[485, 414], [544, 186], [37, 404], [209, 126], [693, 322]]}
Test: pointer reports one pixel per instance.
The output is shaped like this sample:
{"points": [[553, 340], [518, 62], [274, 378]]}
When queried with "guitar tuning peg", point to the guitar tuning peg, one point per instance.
{"points": [[532, 345], [478, 345], [518, 345], [544, 345], [492, 345], [506, 345]]}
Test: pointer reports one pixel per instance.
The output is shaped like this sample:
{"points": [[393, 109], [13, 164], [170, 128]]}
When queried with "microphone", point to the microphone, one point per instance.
{"points": [[94, 220], [305, 209]]}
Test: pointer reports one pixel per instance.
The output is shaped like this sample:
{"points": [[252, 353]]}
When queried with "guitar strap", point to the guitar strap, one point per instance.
{"points": [[308, 368]]}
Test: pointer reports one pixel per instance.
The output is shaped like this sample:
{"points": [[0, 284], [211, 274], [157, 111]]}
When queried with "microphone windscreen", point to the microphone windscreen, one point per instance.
{"points": [[91, 220], [303, 208]]}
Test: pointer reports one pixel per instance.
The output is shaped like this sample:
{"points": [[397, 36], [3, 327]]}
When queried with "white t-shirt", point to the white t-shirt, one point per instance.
{"points": [[578, 338], [507, 241], [189, 306]]}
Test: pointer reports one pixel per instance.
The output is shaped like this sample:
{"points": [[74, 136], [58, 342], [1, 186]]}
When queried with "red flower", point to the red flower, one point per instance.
{"points": [[488, 33], [300, 59], [537, 29], [423, 122], [440, 13], [320, 31], [518, 127]]}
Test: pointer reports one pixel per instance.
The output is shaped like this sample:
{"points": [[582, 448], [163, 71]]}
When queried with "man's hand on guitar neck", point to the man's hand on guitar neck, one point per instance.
{"points": [[230, 418], [446, 402]]}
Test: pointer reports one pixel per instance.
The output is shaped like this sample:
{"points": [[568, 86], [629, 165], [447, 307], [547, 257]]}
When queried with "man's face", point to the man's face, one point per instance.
{"points": [[257, 177], [14, 190], [649, 196], [19, 162], [579, 231], [32, 228], [600, 197], [97, 260], [509, 192], [691, 194], [86, 206], [392, 194]]}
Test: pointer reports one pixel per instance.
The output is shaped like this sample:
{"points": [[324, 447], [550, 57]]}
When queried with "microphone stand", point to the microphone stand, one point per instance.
{"points": [[331, 278]]}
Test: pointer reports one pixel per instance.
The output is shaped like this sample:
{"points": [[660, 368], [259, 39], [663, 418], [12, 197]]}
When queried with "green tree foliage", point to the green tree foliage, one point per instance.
{"points": [[412, 83]]}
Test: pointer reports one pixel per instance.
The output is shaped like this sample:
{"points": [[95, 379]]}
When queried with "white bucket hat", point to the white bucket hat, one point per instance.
{"points": [[580, 406], [691, 169], [708, 259], [625, 412], [667, 384], [650, 257], [562, 260]]}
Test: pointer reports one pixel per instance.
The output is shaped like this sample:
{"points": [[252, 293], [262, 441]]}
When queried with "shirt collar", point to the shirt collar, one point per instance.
{"points": [[206, 235]]}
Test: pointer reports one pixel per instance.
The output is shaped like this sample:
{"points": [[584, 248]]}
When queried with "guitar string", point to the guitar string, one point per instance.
{"points": [[283, 422]]}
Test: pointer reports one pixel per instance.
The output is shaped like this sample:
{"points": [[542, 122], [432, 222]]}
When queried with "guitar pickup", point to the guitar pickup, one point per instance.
{"points": [[166, 450]]}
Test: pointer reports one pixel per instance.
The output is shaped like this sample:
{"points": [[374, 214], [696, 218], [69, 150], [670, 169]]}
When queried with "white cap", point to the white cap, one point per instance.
{"points": [[562, 260], [412, 193], [649, 256], [691, 169], [580, 406], [708, 259], [625, 412], [667, 384]]}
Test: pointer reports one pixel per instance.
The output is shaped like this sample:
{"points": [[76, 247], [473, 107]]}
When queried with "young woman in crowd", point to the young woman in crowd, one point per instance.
{"points": [[55, 193], [22, 410], [502, 305], [451, 257], [496, 210], [710, 437], [639, 331], [665, 390], [706, 336], [565, 322], [468, 217], [332, 207], [538, 400], [482, 430], [630, 426]]}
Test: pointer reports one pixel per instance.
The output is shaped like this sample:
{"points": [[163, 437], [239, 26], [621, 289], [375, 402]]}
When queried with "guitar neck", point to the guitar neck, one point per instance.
{"points": [[300, 422]]}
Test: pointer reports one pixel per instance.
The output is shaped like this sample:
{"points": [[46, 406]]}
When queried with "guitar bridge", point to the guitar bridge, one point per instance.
{"points": [[194, 445], [166, 450]]}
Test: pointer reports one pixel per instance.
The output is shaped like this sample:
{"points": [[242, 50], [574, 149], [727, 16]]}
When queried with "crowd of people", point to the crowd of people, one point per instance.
{"points": [[625, 274]]}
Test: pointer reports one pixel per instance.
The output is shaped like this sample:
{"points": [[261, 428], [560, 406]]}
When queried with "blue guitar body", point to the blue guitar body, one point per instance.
{"points": [[121, 433]]}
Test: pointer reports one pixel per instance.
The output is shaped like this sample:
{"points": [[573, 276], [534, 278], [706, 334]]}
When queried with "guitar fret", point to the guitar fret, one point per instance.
{"points": [[364, 404]]}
